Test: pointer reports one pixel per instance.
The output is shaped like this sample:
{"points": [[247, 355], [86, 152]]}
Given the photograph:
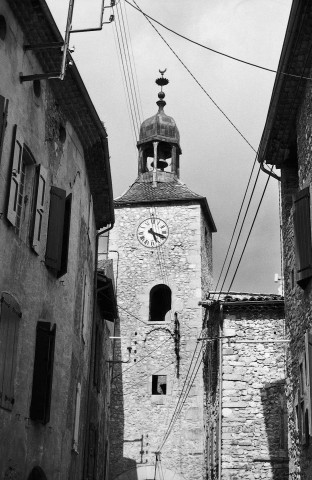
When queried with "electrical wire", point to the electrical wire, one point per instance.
{"points": [[125, 80], [236, 224], [267, 69], [129, 66], [141, 114], [250, 230], [198, 83], [141, 359], [178, 411], [241, 228], [183, 389]]}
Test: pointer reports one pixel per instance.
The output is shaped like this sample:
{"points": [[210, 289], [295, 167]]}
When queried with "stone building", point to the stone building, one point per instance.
{"points": [[162, 236], [244, 359], [286, 143], [55, 194]]}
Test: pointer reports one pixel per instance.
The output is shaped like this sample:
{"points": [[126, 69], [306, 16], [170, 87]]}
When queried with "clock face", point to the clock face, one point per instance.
{"points": [[152, 232]]}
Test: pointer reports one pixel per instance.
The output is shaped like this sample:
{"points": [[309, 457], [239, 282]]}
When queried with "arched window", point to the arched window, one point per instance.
{"points": [[37, 474], [160, 303]]}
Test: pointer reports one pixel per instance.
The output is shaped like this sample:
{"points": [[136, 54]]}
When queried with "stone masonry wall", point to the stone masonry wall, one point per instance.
{"points": [[254, 434], [139, 420], [298, 305], [251, 378]]}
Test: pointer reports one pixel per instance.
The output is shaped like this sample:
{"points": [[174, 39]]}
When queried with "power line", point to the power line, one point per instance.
{"points": [[180, 406], [241, 228], [253, 222], [267, 69], [183, 390], [237, 220], [141, 359], [198, 83]]}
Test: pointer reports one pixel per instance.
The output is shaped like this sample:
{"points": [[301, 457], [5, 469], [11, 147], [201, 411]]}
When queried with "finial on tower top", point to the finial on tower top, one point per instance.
{"points": [[161, 81]]}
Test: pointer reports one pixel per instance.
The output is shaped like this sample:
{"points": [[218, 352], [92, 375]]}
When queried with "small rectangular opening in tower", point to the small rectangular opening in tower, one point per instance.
{"points": [[159, 384]]}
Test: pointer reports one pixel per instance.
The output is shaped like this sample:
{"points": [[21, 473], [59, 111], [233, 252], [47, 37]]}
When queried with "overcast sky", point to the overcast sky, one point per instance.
{"points": [[216, 161]]}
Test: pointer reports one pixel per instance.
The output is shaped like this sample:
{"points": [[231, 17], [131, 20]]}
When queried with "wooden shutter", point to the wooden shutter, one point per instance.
{"points": [[3, 120], [77, 418], [43, 372], [40, 197], [9, 323], [53, 256], [17, 154], [65, 239], [302, 231]]}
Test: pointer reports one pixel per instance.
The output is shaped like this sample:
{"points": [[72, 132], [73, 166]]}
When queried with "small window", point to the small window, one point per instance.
{"points": [[37, 88], [160, 303], [159, 384], [9, 324]]}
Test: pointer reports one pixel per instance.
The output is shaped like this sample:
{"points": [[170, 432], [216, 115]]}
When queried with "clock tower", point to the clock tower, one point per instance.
{"points": [[162, 247]]}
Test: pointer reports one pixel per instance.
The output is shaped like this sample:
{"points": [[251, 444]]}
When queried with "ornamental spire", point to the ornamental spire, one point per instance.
{"points": [[161, 81]]}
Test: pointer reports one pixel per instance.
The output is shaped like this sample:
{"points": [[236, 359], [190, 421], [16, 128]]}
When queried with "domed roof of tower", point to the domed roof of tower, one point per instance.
{"points": [[160, 127]]}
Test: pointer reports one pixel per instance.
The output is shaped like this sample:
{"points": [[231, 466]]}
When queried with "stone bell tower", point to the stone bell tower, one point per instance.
{"points": [[162, 247]]}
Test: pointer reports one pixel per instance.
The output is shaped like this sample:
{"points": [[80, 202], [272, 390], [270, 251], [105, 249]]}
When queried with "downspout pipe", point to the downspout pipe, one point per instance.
{"points": [[268, 172], [98, 234], [220, 393]]}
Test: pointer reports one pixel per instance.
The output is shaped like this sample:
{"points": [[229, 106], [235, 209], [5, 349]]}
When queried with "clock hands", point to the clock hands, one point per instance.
{"points": [[151, 231]]}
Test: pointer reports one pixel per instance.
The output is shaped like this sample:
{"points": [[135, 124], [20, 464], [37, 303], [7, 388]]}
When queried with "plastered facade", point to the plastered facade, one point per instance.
{"points": [[140, 419], [24, 275]]}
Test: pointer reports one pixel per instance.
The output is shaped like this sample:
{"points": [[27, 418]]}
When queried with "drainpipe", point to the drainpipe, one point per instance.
{"points": [[98, 234], [220, 393], [268, 172]]}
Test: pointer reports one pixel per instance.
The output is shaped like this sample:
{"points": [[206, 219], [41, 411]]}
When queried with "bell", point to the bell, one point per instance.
{"points": [[161, 164]]}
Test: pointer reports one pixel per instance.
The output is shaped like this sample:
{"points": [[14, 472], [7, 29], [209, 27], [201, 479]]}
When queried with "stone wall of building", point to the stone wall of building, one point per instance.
{"points": [[246, 393], [297, 299], [139, 418]]}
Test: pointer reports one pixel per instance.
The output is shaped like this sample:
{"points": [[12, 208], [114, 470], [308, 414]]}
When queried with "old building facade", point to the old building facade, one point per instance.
{"points": [[247, 433], [55, 194], [162, 236], [286, 143]]}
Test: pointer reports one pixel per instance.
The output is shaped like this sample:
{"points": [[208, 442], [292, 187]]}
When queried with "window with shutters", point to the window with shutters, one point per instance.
{"points": [[160, 303], [27, 193], [3, 120], [159, 384], [10, 315], [56, 257], [43, 372], [302, 234]]}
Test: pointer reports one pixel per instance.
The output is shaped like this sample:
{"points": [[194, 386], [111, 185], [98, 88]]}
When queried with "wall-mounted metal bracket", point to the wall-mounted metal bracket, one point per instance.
{"points": [[43, 46]]}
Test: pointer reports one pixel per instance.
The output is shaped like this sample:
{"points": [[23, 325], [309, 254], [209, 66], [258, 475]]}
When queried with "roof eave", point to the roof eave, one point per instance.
{"points": [[277, 135]]}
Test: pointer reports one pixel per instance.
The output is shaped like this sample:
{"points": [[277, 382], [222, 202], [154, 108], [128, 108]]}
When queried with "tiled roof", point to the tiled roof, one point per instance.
{"points": [[145, 192], [170, 190]]}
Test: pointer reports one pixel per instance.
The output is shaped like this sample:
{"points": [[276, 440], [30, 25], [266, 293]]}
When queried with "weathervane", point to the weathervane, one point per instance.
{"points": [[161, 81]]}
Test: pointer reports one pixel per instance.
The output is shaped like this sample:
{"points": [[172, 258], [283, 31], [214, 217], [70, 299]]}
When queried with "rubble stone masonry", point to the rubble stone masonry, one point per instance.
{"points": [[139, 418]]}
